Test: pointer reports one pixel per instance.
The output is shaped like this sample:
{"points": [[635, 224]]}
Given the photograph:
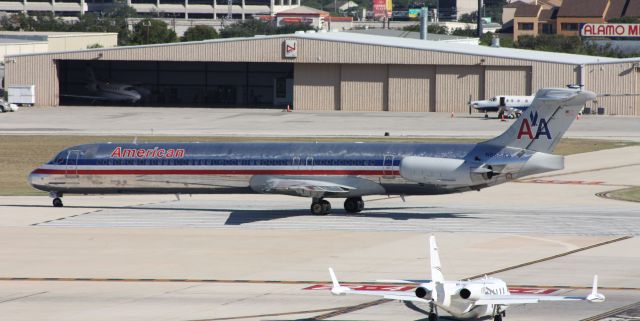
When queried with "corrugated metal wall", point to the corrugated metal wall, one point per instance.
{"points": [[364, 88], [613, 79], [412, 88], [38, 71], [316, 86], [454, 86], [507, 80]]}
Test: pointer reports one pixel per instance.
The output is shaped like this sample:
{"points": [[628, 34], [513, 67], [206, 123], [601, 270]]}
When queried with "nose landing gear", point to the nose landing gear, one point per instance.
{"points": [[57, 199]]}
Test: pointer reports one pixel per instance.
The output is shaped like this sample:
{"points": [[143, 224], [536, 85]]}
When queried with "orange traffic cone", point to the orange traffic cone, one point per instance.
{"points": [[288, 108], [503, 118]]}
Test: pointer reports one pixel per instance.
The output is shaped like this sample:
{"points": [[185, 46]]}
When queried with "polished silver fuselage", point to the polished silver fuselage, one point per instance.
{"points": [[372, 168]]}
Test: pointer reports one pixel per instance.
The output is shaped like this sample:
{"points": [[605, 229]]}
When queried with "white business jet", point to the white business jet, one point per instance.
{"points": [[486, 297]]}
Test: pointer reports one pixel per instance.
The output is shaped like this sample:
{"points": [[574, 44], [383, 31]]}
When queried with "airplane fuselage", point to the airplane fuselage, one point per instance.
{"points": [[372, 168]]}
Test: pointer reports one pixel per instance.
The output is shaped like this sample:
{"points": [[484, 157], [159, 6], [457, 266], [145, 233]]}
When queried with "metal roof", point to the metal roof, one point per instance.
{"points": [[397, 33], [509, 53], [417, 44]]}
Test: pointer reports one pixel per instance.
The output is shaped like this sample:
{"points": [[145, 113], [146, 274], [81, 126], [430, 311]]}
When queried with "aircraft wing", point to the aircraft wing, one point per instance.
{"points": [[527, 298], [338, 289], [305, 187], [85, 97]]}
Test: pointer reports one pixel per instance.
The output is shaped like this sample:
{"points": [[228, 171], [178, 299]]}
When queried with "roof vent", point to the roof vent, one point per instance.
{"points": [[299, 32], [310, 31]]}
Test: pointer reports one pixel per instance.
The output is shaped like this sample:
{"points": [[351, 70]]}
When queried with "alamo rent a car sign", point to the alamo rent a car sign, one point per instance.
{"points": [[610, 30]]}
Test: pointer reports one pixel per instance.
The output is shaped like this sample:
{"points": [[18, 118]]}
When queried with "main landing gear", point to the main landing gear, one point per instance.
{"points": [[498, 314], [57, 199], [353, 205], [321, 206]]}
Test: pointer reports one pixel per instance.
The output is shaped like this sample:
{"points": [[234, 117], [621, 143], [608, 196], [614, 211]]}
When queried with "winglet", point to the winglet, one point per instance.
{"points": [[336, 289], [436, 272], [595, 296]]}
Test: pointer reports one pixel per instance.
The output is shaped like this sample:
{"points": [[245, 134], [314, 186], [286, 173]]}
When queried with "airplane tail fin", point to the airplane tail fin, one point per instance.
{"points": [[541, 126], [436, 272], [595, 296]]}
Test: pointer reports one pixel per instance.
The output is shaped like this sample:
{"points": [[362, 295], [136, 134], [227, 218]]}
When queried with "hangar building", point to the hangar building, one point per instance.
{"points": [[326, 71]]}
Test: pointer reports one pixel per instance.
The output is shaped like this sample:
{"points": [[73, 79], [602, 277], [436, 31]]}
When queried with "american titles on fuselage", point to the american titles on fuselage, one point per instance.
{"points": [[156, 152]]}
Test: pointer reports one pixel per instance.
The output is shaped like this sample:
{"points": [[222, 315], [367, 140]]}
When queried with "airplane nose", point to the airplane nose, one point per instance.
{"points": [[36, 180]]}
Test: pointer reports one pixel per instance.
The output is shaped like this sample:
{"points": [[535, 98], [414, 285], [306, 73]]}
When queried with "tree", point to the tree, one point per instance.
{"points": [[466, 32], [431, 28], [200, 32], [248, 28], [150, 31], [293, 27], [112, 20]]}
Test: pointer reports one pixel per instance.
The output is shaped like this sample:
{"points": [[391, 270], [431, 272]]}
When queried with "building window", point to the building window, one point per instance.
{"points": [[570, 26], [525, 26], [546, 28]]}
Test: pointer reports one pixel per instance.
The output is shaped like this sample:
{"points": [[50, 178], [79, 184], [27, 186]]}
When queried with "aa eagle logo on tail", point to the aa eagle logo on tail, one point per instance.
{"points": [[534, 122]]}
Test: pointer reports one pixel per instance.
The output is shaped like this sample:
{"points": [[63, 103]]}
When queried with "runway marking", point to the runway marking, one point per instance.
{"points": [[583, 171], [563, 182], [513, 267], [350, 309], [23, 297], [549, 258], [617, 314], [311, 285], [409, 288], [270, 315]]}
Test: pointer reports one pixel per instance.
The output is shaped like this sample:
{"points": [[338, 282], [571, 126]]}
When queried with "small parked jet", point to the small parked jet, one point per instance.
{"points": [[111, 92], [512, 106], [470, 299], [318, 170]]}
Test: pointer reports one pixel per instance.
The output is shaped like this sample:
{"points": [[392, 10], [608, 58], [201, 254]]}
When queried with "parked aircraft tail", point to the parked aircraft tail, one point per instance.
{"points": [[436, 269], [541, 126]]}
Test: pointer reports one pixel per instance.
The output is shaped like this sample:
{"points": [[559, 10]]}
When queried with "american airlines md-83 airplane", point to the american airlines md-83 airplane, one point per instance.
{"points": [[319, 170]]}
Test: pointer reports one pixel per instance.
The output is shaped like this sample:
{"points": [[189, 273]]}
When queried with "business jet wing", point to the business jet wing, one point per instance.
{"points": [[85, 97], [338, 289], [304, 187], [594, 296]]}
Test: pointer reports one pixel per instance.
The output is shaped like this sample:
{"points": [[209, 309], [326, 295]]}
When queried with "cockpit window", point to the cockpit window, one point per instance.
{"points": [[59, 159], [493, 99]]}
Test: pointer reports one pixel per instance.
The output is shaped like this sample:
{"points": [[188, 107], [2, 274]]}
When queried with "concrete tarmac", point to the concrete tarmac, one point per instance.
{"points": [[262, 122], [250, 257]]}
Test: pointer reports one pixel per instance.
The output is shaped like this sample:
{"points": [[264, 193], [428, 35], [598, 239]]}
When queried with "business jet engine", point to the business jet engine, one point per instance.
{"points": [[469, 293], [424, 293]]}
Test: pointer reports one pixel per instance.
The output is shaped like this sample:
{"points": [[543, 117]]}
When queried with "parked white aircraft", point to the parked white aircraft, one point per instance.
{"points": [[112, 92], [462, 299], [512, 106]]}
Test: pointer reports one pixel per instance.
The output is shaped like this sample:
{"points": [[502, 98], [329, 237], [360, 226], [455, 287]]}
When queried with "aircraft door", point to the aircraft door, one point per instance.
{"points": [[309, 162], [296, 162], [71, 168], [502, 101], [387, 166]]}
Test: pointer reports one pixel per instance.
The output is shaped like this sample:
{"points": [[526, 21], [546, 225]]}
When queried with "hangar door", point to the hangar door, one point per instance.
{"points": [[412, 88], [363, 88], [507, 80], [316, 86], [171, 83], [454, 86]]}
